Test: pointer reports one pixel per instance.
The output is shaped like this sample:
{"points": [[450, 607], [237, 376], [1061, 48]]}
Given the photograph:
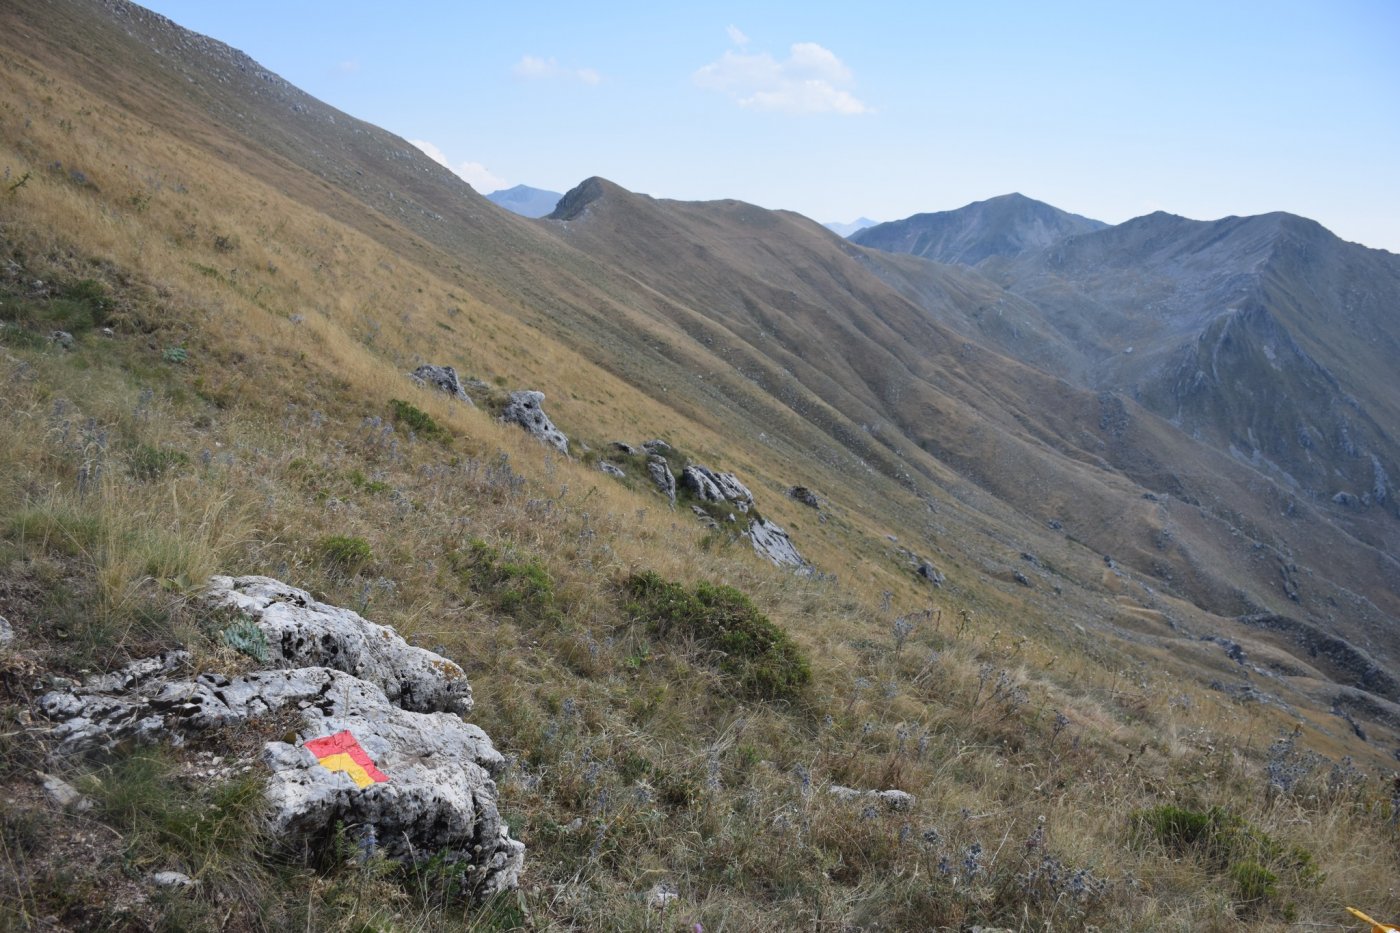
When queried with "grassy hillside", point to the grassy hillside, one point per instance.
{"points": [[1069, 762]]}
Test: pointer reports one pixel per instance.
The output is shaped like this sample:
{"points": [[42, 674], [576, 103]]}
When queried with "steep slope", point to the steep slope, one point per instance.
{"points": [[1000, 226], [526, 201], [811, 320], [270, 270], [1259, 335]]}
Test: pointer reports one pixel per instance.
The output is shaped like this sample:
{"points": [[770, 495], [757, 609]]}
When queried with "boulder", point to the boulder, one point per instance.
{"points": [[660, 472], [805, 496], [655, 446], [524, 408], [438, 797], [302, 632], [612, 469], [443, 378], [624, 448], [772, 542], [697, 480], [710, 486], [414, 783], [62, 339]]}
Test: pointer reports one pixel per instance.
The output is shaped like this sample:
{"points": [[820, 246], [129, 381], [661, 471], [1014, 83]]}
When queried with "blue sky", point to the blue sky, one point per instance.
{"points": [[835, 110]]}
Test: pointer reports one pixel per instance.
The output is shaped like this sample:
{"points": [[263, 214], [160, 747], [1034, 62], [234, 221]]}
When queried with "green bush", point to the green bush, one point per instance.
{"points": [[418, 421], [345, 553], [513, 586], [151, 463], [1252, 860], [757, 655]]}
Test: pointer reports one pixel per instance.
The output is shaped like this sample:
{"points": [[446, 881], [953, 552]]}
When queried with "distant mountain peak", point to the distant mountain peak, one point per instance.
{"points": [[846, 229], [526, 201], [1006, 225]]}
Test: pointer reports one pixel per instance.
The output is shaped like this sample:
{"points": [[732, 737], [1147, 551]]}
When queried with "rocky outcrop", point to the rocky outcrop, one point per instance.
{"points": [[921, 566], [772, 542], [442, 378], [660, 472], [305, 633], [698, 481], [612, 469], [655, 446], [709, 486], [377, 752], [525, 409]]}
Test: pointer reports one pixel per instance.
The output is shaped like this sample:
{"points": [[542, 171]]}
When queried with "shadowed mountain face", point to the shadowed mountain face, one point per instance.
{"points": [[1002, 226], [526, 201], [1261, 336], [1184, 397]]}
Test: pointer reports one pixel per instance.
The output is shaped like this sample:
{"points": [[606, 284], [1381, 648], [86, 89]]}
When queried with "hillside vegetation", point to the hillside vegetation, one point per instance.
{"points": [[675, 711]]}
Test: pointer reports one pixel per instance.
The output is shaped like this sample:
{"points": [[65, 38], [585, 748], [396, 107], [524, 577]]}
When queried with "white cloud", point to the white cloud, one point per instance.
{"points": [[736, 35], [810, 80], [535, 68], [475, 174]]}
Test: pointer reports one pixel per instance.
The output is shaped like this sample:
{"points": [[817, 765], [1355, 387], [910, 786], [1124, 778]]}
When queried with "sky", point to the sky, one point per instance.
{"points": [[838, 110]]}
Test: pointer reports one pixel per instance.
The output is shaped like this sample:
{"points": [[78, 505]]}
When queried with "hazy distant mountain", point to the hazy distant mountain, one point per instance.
{"points": [[526, 201], [1001, 226], [860, 223]]}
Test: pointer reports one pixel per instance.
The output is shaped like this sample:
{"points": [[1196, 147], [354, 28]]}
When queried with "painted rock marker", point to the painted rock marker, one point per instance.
{"points": [[341, 752]]}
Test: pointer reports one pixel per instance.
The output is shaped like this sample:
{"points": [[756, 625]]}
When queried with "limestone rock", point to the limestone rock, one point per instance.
{"points": [[698, 481], [624, 448], [612, 469], [175, 880], [62, 339], [439, 796], [62, 793], [660, 472], [303, 632], [655, 446], [7, 633], [772, 542], [805, 496], [443, 378], [705, 518], [661, 896], [524, 409], [892, 799]]}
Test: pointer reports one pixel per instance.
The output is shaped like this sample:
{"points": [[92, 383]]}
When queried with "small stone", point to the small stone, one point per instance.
{"points": [[174, 880], [64, 794], [661, 896], [612, 469], [108, 332], [62, 338], [7, 634]]}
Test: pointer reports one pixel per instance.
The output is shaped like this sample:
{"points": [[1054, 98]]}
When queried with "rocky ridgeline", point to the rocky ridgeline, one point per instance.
{"points": [[382, 750], [717, 499]]}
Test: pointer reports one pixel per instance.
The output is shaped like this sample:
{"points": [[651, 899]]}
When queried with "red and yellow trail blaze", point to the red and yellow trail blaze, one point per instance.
{"points": [[341, 752]]}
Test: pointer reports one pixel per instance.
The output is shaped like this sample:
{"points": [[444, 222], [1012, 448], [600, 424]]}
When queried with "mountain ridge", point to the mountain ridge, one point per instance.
{"points": [[999, 226]]}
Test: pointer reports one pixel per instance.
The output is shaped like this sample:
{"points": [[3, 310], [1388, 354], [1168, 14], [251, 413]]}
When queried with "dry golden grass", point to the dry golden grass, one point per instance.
{"points": [[632, 763]]}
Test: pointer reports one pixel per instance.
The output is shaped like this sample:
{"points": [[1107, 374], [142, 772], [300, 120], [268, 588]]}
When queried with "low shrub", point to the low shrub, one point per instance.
{"points": [[760, 657], [345, 553], [418, 421]]}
